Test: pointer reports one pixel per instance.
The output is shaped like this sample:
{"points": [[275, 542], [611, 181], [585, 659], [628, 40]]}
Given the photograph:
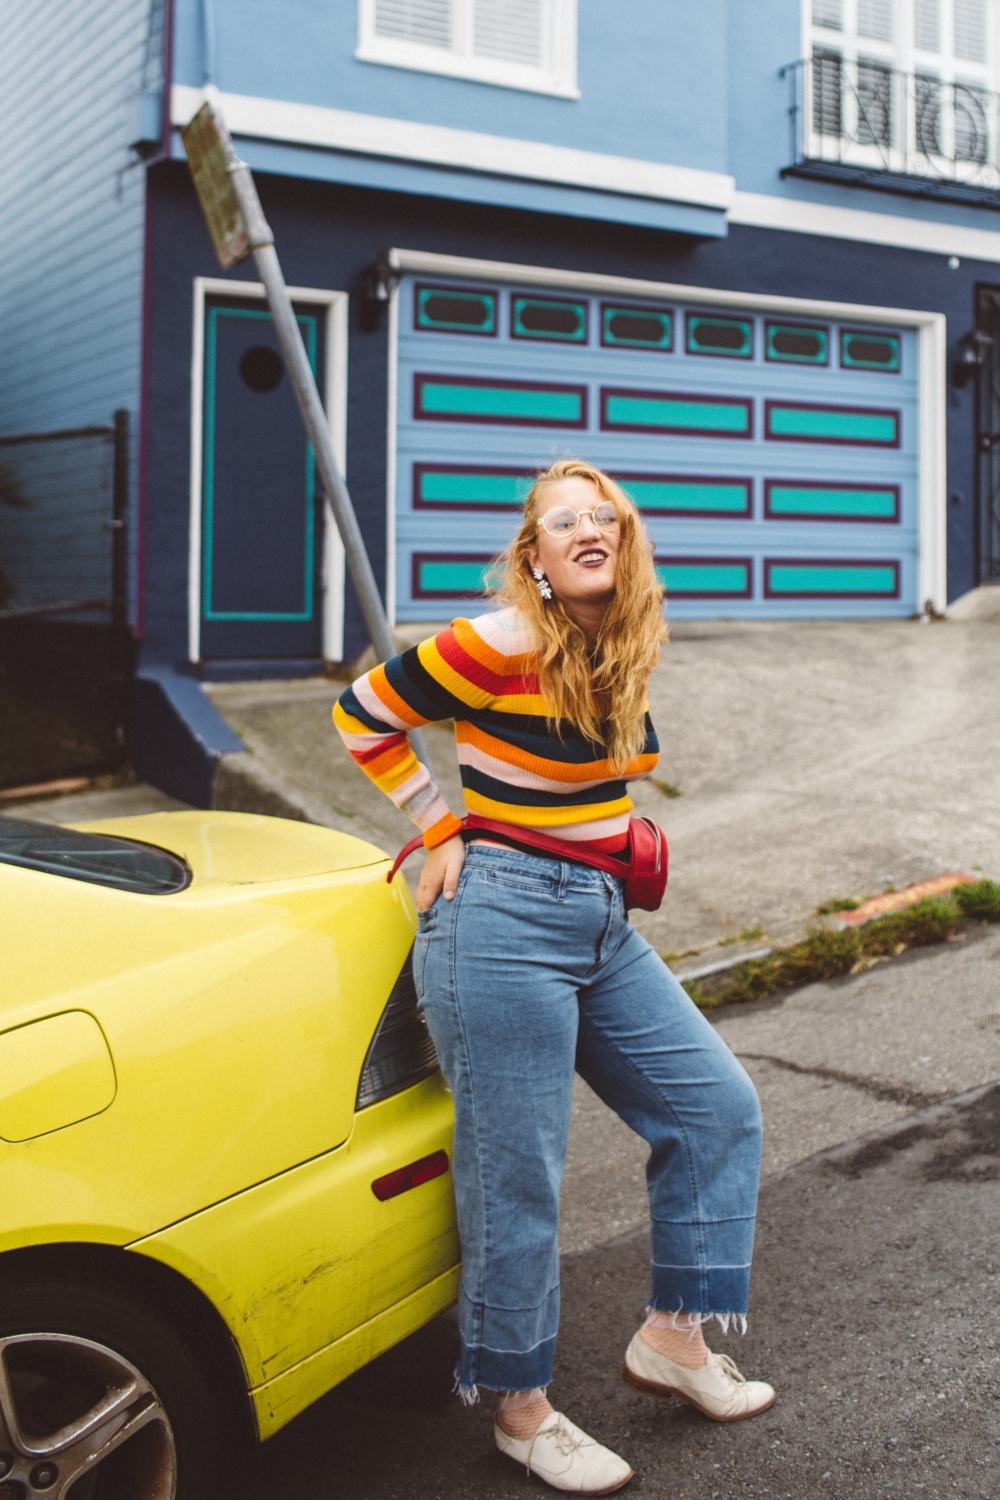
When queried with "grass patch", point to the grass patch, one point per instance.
{"points": [[839, 903], [668, 788], [748, 935], [825, 953]]}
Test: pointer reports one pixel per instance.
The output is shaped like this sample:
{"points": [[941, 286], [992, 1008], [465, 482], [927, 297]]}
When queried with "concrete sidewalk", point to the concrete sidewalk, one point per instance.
{"points": [[814, 759]]}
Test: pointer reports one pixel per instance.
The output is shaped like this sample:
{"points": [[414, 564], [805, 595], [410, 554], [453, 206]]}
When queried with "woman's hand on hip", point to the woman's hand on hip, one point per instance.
{"points": [[442, 867]]}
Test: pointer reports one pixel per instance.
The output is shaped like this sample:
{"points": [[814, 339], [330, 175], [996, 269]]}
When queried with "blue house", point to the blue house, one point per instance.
{"points": [[744, 255]]}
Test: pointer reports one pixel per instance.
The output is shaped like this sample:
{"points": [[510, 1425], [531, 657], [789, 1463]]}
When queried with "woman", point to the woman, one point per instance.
{"points": [[526, 968]]}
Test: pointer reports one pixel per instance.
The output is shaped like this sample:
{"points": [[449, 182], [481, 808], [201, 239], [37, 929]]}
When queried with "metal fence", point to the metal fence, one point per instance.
{"points": [[65, 646], [858, 120]]}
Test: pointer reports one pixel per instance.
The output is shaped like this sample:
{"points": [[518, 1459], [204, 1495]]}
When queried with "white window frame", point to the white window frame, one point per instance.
{"points": [[557, 76], [901, 55], [334, 396]]}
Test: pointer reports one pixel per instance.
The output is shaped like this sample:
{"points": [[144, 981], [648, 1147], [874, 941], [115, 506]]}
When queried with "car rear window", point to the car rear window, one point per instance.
{"points": [[99, 858]]}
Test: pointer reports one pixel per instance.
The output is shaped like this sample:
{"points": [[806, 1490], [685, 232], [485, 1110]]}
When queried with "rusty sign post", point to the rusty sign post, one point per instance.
{"points": [[236, 222]]}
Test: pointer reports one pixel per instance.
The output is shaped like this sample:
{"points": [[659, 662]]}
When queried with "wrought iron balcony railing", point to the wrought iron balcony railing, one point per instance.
{"points": [[862, 122]]}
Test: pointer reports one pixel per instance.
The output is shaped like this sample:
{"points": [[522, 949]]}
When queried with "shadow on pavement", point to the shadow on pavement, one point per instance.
{"points": [[875, 1297]]}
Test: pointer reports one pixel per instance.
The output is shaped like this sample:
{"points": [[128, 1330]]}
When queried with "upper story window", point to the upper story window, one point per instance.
{"points": [[904, 87], [519, 44]]}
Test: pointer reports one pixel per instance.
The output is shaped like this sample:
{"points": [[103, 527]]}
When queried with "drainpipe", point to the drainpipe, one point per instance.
{"points": [[209, 54]]}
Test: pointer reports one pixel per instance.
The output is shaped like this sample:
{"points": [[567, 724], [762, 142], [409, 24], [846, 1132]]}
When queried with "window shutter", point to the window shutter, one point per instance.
{"points": [[970, 30], [425, 21], [875, 19], [828, 13], [927, 25], [827, 91], [509, 29]]}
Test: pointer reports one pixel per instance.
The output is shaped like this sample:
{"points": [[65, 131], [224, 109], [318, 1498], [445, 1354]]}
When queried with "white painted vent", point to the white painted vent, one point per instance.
{"points": [[875, 19], [970, 30], [427, 22], [509, 29], [927, 25], [828, 13]]}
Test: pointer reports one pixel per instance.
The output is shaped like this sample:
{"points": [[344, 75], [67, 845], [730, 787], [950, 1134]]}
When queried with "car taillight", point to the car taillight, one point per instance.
{"points": [[401, 1053]]}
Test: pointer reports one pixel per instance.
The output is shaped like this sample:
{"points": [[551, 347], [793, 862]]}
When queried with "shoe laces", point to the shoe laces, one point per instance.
{"points": [[567, 1442], [726, 1365]]}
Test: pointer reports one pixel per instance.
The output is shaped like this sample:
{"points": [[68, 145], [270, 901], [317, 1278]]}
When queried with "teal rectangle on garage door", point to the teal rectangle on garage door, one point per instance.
{"points": [[681, 496], [514, 403], [858, 426], [693, 415], [830, 502], [834, 580], [454, 487], [449, 577], [705, 578]]}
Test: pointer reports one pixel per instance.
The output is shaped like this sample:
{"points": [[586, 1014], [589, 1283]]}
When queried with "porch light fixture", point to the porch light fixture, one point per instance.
{"points": [[972, 350], [377, 283]]}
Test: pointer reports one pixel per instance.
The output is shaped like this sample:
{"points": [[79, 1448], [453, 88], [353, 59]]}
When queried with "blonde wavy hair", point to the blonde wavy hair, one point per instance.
{"points": [[601, 686]]}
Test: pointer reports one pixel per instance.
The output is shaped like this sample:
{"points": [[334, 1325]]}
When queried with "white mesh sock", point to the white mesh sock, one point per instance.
{"points": [[521, 1413]]}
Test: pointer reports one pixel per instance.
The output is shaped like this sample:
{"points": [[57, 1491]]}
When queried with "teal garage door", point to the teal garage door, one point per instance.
{"points": [[774, 459]]}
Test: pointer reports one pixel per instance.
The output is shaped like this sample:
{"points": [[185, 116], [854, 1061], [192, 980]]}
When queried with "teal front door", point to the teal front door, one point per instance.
{"points": [[261, 547]]}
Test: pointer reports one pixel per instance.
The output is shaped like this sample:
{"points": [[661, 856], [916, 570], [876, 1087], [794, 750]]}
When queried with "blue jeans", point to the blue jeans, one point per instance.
{"points": [[533, 969]]}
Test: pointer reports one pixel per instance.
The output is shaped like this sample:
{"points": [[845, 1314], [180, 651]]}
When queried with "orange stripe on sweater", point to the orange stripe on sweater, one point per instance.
{"points": [[386, 693]]}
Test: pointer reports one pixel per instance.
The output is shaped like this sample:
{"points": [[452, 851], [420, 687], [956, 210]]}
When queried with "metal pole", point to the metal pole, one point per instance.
{"points": [[314, 417]]}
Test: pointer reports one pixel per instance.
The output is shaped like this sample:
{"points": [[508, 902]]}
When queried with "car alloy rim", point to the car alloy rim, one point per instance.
{"points": [[74, 1415]]}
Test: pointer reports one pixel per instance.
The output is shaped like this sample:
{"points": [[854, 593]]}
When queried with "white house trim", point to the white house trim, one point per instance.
{"points": [[391, 445], [798, 216], [931, 329], [468, 150], [335, 402]]}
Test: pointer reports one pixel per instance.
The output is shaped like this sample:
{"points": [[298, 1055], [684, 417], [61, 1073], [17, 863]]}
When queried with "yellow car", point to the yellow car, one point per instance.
{"points": [[224, 1143]]}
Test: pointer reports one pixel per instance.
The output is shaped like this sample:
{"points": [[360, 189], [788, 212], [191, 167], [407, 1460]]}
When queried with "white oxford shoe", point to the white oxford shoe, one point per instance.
{"points": [[566, 1458], [717, 1389]]}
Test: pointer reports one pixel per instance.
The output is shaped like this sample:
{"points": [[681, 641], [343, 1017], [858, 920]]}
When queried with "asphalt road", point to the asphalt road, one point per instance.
{"points": [[874, 1315]]}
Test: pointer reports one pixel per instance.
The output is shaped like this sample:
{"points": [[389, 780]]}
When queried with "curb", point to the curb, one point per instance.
{"points": [[245, 784]]}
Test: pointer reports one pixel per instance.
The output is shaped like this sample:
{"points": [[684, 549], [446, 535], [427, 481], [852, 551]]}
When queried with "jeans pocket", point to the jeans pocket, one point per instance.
{"points": [[534, 885]]}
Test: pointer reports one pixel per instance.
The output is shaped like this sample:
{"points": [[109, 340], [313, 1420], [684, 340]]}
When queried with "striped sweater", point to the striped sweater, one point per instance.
{"points": [[515, 768]]}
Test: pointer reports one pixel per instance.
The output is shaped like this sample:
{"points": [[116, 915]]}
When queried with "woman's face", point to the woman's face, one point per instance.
{"points": [[581, 567]]}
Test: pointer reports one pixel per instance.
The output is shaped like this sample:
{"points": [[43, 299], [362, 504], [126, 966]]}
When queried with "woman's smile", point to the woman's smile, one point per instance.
{"points": [[591, 557]]}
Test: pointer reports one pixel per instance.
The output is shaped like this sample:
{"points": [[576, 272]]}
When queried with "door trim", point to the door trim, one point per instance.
{"points": [[334, 400], [932, 387]]}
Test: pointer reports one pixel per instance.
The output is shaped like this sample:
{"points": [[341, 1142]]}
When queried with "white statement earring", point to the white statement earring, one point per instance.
{"points": [[544, 586]]}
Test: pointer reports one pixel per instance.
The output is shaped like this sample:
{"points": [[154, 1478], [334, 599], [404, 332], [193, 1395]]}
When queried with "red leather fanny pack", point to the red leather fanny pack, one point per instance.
{"points": [[644, 872]]}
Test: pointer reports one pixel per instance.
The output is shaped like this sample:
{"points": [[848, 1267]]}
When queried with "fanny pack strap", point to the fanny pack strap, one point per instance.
{"points": [[473, 823]]}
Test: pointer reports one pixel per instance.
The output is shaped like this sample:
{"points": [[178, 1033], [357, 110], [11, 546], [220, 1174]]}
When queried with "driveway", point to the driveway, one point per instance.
{"points": [[814, 759]]}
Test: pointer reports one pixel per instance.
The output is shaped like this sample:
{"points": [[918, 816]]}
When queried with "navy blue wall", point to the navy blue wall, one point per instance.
{"points": [[326, 235]]}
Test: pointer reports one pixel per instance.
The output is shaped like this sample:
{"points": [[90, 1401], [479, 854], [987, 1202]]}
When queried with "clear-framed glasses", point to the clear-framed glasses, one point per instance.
{"points": [[563, 520]]}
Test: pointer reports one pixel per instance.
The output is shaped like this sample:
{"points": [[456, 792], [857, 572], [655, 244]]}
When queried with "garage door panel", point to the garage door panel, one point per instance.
{"points": [[774, 459]]}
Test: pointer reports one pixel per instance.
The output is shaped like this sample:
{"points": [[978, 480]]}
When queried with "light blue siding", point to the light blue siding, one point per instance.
{"points": [[71, 209], [660, 81], [646, 71]]}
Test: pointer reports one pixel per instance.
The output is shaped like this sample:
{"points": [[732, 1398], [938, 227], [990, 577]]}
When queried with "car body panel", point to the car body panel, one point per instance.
{"points": [[53, 1073], [298, 1263], [284, 1397], [238, 1013], [238, 1017]]}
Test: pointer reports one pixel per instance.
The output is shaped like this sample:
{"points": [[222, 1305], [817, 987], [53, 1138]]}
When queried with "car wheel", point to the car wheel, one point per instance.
{"points": [[100, 1400]]}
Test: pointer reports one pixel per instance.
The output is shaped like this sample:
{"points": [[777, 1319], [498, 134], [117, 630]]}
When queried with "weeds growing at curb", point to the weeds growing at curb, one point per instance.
{"points": [[825, 953]]}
